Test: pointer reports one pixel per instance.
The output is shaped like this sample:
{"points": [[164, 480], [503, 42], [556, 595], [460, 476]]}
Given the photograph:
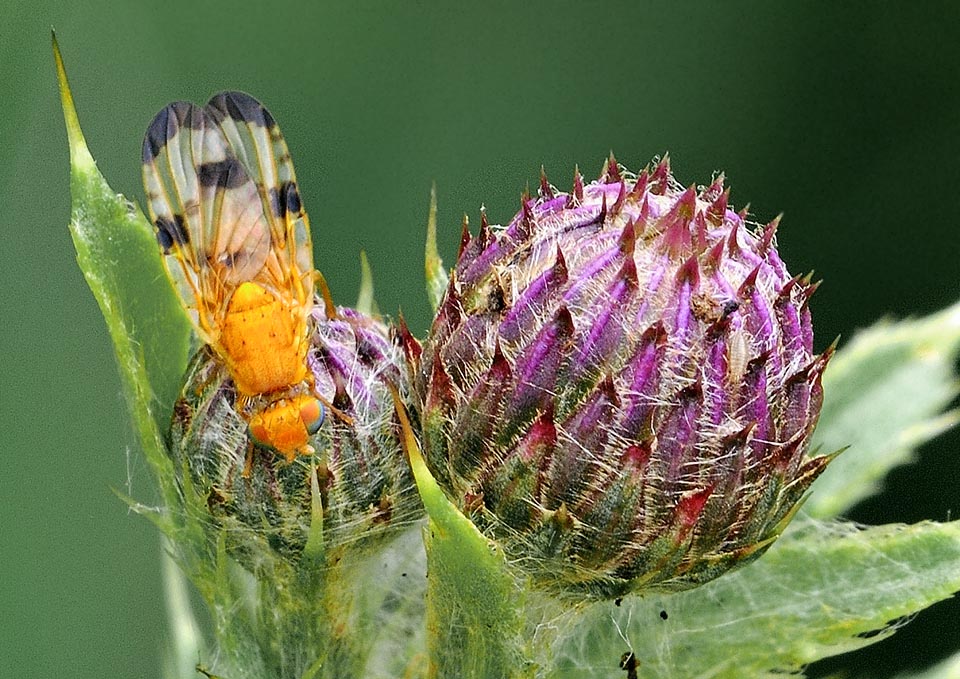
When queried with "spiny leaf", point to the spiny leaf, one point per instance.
{"points": [[884, 395], [119, 258], [826, 590]]}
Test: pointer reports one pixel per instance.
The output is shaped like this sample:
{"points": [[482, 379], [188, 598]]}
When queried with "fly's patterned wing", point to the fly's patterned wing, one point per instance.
{"points": [[255, 139], [223, 199]]}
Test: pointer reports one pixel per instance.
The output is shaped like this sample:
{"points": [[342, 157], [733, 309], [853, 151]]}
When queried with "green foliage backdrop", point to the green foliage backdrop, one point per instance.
{"points": [[844, 117]]}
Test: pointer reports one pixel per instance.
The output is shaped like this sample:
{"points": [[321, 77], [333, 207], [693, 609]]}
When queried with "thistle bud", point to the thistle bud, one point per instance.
{"points": [[258, 498], [619, 386]]}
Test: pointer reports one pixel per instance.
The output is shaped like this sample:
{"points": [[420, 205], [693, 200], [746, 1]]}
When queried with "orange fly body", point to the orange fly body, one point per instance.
{"points": [[224, 202]]}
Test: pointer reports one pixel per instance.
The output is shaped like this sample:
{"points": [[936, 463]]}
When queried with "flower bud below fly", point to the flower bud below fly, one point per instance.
{"points": [[619, 386], [258, 497]]}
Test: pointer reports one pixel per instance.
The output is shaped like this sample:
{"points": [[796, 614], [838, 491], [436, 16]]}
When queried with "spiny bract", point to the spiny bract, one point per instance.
{"points": [[619, 386]]}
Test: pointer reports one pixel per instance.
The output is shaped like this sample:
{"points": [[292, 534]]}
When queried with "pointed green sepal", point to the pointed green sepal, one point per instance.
{"points": [[366, 303], [80, 159], [313, 550], [474, 605], [437, 278]]}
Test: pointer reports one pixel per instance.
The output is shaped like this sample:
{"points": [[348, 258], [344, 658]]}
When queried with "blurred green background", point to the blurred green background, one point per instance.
{"points": [[846, 116]]}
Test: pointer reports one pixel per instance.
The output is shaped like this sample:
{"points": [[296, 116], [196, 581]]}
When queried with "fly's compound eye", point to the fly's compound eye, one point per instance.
{"points": [[312, 413], [259, 433]]}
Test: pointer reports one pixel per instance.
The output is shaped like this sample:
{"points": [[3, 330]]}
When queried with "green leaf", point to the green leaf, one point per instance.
{"points": [[884, 395], [119, 258], [828, 589], [474, 626], [437, 278]]}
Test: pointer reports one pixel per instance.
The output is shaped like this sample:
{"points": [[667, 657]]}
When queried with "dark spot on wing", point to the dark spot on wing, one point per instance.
{"points": [[167, 123], [170, 232], [275, 207], [153, 142], [241, 107], [285, 200], [292, 197], [228, 173]]}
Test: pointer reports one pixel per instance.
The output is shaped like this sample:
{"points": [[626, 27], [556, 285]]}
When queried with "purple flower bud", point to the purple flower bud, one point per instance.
{"points": [[620, 385], [261, 500]]}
